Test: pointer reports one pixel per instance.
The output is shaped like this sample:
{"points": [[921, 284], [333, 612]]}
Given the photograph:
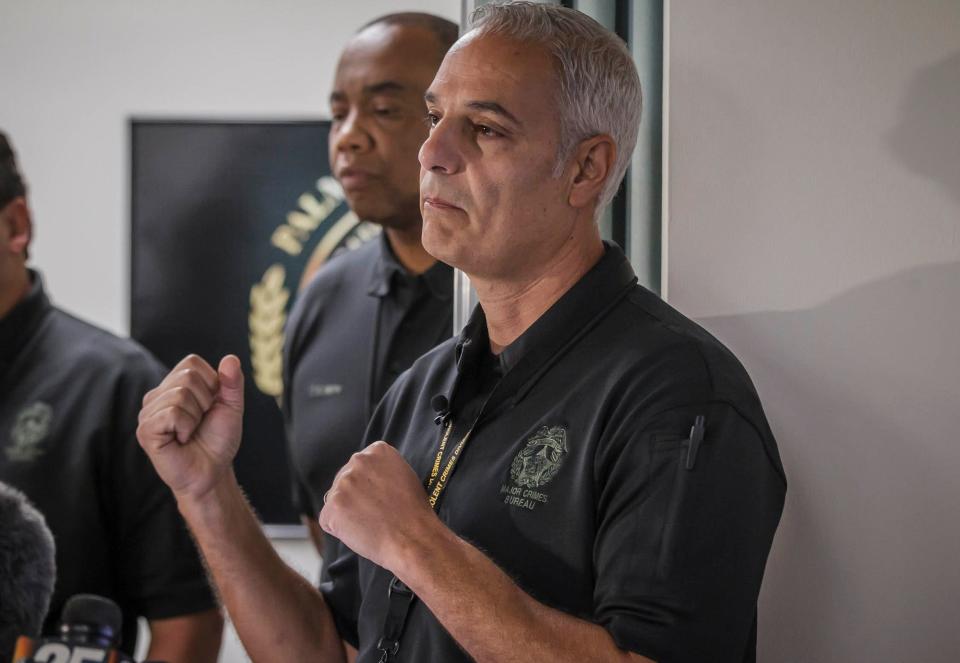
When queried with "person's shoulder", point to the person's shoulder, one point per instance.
{"points": [[435, 364], [428, 374], [440, 355], [412, 393], [345, 274], [667, 368], [346, 267], [666, 347], [93, 348]]}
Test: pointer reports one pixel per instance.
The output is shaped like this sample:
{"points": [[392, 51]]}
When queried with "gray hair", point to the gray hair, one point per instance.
{"points": [[27, 569], [598, 85]]}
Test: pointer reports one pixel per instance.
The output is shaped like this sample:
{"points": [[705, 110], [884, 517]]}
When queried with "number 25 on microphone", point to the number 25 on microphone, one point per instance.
{"points": [[58, 652]]}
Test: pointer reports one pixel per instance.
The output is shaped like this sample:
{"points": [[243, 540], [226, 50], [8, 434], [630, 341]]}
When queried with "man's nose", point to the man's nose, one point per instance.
{"points": [[351, 135], [440, 153]]}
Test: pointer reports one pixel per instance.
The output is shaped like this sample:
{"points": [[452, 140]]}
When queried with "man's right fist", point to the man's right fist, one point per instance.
{"points": [[190, 425]]}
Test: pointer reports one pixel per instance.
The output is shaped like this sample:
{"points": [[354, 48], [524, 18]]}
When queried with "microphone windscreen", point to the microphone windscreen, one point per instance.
{"points": [[27, 568], [92, 609]]}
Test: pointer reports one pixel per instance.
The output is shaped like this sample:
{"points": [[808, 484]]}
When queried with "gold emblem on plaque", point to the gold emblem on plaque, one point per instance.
{"points": [[270, 296]]}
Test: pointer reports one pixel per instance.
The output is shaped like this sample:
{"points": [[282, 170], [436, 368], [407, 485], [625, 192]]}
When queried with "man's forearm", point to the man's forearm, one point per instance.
{"points": [[489, 615], [193, 638], [276, 612]]}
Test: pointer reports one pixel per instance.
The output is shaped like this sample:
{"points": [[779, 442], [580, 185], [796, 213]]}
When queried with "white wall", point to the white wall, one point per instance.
{"points": [[72, 73], [815, 227]]}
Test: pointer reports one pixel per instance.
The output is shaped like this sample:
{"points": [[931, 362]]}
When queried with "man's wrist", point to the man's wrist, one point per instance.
{"points": [[213, 504], [419, 550]]}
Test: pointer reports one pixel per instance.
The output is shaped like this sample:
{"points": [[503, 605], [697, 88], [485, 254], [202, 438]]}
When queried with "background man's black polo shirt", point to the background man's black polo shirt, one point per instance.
{"points": [[580, 480], [358, 325], [69, 398]]}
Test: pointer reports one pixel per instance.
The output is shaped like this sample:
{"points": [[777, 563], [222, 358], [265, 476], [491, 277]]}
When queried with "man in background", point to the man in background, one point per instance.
{"points": [[368, 314], [69, 397]]}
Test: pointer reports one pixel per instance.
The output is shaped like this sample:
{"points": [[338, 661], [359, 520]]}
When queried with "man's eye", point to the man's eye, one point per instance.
{"points": [[431, 119], [484, 130], [384, 112]]}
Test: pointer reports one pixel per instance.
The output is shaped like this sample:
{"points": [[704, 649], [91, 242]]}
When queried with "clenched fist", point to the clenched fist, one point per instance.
{"points": [[190, 425], [377, 505]]}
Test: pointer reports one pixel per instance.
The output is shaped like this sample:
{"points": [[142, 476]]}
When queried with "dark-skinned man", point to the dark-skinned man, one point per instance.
{"points": [[368, 314], [69, 398], [583, 475]]}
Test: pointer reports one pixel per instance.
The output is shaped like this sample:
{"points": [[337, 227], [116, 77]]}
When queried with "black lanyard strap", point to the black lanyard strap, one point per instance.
{"points": [[400, 597]]}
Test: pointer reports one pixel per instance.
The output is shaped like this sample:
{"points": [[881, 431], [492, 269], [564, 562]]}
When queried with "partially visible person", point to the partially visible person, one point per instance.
{"points": [[369, 313], [27, 569], [69, 396]]}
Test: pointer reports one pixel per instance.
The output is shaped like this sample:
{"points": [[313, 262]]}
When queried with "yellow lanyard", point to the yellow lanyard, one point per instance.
{"points": [[437, 484]]}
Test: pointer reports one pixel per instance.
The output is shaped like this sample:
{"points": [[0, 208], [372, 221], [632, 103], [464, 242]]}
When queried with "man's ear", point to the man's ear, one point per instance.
{"points": [[592, 165], [20, 226]]}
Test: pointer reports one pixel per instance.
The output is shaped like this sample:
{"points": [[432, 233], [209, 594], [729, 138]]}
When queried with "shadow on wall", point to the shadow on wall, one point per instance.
{"points": [[864, 395], [931, 103]]}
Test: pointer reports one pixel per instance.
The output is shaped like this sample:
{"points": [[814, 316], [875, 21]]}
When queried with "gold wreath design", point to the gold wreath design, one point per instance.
{"points": [[268, 315], [268, 306]]}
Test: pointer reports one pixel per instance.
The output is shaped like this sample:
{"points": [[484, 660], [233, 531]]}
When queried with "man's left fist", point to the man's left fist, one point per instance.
{"points": [[377, 505]]}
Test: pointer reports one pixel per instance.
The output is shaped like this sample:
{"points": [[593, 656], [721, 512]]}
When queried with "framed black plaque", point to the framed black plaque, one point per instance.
{"points": [[228, 219]]}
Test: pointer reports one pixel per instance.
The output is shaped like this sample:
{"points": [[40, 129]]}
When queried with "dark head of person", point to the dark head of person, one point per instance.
{"points": [[11, 181], [27, 569], [16, 229], [377, 114]]}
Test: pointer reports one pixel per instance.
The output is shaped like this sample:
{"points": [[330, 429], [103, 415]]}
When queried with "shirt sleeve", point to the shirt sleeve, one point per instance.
{"points": [[680, 552], [159, 567], [340, 586]]}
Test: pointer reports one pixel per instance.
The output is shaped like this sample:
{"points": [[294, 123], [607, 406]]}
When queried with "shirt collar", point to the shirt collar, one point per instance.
{"points": [[387, 269], [18, 325], [570, 317]]}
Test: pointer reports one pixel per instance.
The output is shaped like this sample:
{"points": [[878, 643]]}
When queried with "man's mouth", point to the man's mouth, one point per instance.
{"points": [[354, 178], [439, 203]]}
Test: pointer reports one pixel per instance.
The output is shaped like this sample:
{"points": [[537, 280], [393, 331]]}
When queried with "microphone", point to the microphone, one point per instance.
{"points": [[441, 406], [91, 619], [89, 633], [27, 568]]}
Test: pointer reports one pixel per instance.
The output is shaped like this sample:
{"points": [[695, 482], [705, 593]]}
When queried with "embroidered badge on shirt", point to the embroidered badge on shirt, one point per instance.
{"points": [[321, 390], [534, 467], [29, 430]]}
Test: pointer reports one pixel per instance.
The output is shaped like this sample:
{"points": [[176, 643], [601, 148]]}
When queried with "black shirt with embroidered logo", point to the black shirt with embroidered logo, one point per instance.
{"points": [[585, 478], [69, 398], [360, 322]]}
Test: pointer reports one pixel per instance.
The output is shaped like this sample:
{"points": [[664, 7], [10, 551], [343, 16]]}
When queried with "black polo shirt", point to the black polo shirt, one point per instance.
{"points": [[360, 323], [69, 398], [580, 480]]}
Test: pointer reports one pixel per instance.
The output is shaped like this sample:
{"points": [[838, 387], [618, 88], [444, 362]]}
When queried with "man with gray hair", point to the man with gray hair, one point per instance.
{"points": [[584, 474]]}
